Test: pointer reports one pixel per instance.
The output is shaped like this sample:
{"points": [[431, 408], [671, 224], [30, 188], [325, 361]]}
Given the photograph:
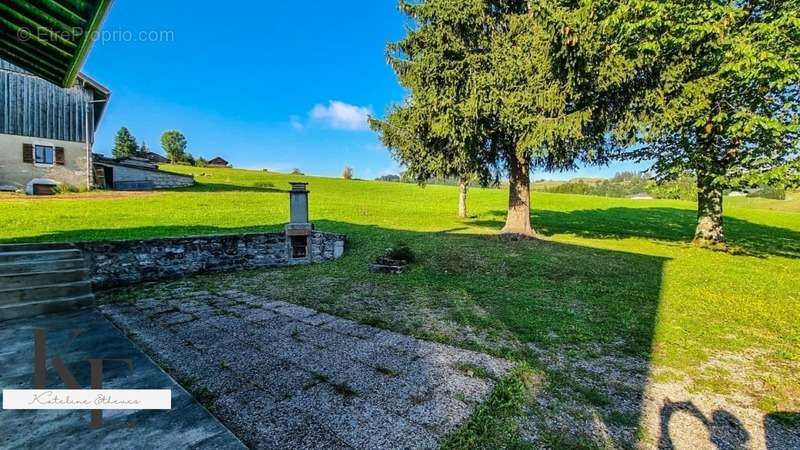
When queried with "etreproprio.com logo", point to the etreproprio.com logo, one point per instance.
{"points": [[98, 37]]}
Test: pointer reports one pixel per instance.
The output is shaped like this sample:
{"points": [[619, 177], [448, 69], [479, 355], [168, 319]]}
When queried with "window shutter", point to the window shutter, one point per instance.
{"points": [[27, 153], [60, 156]]}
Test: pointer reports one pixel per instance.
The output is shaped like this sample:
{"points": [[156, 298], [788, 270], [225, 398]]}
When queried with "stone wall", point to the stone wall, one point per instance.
{"points": [[120, 263]]}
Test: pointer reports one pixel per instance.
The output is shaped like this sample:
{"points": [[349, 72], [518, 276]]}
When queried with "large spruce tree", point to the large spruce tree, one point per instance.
{"points": [[435, 133], [719, 95], [124, 144], [499, 85], [550, 94]]}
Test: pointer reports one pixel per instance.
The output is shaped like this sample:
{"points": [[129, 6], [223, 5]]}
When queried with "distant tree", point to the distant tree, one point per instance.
{"points": [[347, 173], [720, 84], [296, 171], [770, 192], [390, 177], [201, 162], [124, 144], [143, 150], [174, 145]]}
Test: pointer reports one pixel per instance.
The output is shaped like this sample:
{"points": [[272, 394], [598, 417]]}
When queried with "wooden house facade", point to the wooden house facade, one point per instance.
{"points": [[47, 132]]}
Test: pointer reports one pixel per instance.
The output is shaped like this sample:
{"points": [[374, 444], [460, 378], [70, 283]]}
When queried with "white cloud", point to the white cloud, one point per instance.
{"points": [[296, 123], [342, 116]]}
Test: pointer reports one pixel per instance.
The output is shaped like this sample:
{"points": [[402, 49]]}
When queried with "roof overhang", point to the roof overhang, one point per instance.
{"points": [[50, 38]]}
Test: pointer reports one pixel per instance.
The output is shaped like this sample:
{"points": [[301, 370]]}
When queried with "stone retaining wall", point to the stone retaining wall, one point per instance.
{"points": [[120, 263]]}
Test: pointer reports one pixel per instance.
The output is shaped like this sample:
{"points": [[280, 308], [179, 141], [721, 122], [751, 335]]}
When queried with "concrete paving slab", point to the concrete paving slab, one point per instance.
{"points": [[187, 425], [289, 377]]}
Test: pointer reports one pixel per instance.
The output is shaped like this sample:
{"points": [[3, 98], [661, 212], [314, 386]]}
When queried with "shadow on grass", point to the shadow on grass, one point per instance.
{"points": [[550, 300], [725, 430], [201, 186], [666, 224], [550, 295], [113, 234]]}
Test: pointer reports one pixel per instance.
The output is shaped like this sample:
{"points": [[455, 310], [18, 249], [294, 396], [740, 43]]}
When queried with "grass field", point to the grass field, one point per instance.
{"points": [[615, 290]]}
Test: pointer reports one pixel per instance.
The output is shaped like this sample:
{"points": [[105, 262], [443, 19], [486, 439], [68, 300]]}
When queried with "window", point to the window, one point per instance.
{"points": [[44, 154]]}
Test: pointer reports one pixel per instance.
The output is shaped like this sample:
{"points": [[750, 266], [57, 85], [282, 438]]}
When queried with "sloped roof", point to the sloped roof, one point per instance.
{"points": [[50, 38]]}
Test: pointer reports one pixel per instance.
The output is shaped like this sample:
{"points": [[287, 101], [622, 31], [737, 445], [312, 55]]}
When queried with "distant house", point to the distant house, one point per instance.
{"points": [[641, 196], [47, 132], [155, 158], [218, 162]]}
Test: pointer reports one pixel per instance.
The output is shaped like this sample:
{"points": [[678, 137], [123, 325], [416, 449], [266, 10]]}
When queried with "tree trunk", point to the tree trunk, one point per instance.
{"points": [[518, 220], [709, 232], [462, 197]]}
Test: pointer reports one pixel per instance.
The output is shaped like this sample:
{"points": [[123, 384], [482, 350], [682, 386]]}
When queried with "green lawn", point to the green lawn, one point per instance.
{"points": [[613, 277]]}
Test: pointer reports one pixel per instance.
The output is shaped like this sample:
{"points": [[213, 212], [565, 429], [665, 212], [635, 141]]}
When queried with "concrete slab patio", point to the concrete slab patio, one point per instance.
{"points": [[186, 426], [284, 376]]}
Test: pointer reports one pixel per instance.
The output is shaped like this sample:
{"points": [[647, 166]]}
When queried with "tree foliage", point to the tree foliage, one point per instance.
{"points": [[174, 145], [500, 86], [435, 133], [125, 144], [719, 94]]}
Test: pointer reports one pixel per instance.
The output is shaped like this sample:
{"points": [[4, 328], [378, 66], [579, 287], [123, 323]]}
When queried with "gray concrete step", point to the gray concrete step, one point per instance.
{"points": [[31, 309], [44, 292], [5, 248], [41, 266], [42, 278], [45, 278], [39, 255]]}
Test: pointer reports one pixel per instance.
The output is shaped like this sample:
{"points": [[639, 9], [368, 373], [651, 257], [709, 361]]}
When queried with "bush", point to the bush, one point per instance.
{"points": [[770, 192], [297, 172], [401, 252], [571, 187], [66, 188]]}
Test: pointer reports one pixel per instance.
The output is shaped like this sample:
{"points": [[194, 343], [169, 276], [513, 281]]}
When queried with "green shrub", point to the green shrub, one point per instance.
{"points": [[773, 193], [571, 187], [681, 188], [401, 252], [66, 188]]}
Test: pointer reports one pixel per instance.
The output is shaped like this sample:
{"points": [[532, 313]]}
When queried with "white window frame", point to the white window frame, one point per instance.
{"points": [[46, 145]]}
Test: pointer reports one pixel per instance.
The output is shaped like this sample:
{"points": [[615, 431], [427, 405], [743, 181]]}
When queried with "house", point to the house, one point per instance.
{"points": [[135, 174], [155, 158], [47, 131], [218, 162]]}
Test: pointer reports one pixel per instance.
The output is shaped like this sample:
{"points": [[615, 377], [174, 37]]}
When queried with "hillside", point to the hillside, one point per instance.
{"points": [[613, 278]]}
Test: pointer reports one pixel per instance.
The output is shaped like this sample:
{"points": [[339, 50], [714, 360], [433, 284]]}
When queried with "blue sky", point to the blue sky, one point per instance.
{"points": [[263, 84]]}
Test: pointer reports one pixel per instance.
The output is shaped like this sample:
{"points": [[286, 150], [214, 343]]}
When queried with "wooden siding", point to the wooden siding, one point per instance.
{"points": [[31, 106]]}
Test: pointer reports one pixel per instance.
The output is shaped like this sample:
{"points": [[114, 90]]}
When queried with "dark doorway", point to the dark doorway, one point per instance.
{"points": [[108, 172], [43, 189], [104, 177]]}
